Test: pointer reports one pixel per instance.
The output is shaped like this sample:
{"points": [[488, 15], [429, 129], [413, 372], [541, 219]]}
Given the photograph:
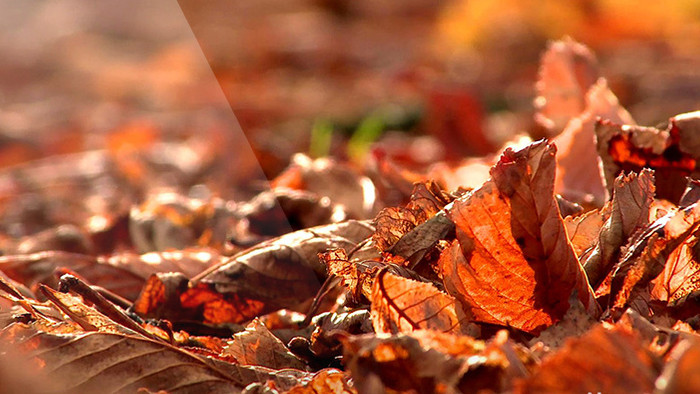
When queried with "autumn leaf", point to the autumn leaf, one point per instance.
{"points": [[567, 70], [603, 360], [105, 362], [256, 345], [632, 199], [579, 175], [512, 263], [393, 223], [671, 152], [681, 274], [403, 305], [648, 251], [583, 231]]}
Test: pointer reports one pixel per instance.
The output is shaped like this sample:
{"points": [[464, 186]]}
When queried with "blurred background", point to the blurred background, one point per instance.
{"points": [[426, 80]]}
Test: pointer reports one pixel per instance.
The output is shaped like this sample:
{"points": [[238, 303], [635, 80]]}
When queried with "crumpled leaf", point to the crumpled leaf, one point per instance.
{"points": [[40, 267], [567, 70], [281, 273], [328, 178], [512, 263], [672, 152], [633, 196], [404, 305], [579, 173], [583, 231], [603, 360], [646, 255], [256, 345], [358, 274], [393, 223], [681, 274], [325, 381], [575, 323], [104, 362]]}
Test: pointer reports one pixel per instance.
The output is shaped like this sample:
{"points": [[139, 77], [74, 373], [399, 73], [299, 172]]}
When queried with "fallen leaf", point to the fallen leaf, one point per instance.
{"points": [[256, 345], [393, 223], [567, 70], [681, 273], [647, 252], [603, 360], [671, 152], [512, 263], [583, 231], [325, 381], [632, 198], [579, 174], [404, 305]]}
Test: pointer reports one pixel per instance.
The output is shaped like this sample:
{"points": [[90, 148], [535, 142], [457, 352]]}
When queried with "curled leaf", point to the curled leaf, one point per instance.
{"points": [[404, 305], [512, 263]]}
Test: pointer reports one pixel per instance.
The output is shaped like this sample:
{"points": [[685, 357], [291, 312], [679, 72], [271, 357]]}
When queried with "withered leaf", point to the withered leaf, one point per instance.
{"points": [[646, 255], [682, 374], [189, 262], [325, 381], [404, 305], [103, 362], [281, 273], [328, 178], [583, 231], [632, 198], [681, 274], [512, 263], [575, 323], [672, 152], [579, 175], [40, 267], [381, 363], [393, 223], [567, 70], [256, 345], [603, 360], [358, 275]]}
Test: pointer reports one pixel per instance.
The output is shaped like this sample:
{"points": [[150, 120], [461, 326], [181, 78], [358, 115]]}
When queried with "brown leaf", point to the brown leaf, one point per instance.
{"points": [[512, 263], [404, 305], [189, 262], [681, 274], [393, 223], [328, 178], [257, 346], [646, 255], [583, 231], [40, 267], [672, 152], [579, 175], [378, 364], [567, 70], [281, 273], [102, 362], [632, 199], [358, 275], [603, 360], [325, 381]]}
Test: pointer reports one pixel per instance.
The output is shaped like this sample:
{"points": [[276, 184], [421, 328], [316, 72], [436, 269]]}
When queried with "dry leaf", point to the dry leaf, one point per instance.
{"points": [[512, 263], [257, 346], [631, 203], [579, 172], [603, 360], [646, 255], [583, 231], [672, 152], [404, 305], [681, 274], [567, 70]]}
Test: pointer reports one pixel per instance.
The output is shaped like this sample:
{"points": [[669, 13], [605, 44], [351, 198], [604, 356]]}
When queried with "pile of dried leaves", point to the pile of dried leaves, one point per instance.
{"points": [[572, 265]]}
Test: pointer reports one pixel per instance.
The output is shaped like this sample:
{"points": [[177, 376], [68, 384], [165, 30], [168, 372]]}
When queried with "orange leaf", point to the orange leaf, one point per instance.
{"points": [[603, 360], [403, 305], [512, 263]]}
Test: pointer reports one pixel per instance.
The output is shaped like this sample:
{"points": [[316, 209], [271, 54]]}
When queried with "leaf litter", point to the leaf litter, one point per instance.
{"points": [[572, 266]]}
